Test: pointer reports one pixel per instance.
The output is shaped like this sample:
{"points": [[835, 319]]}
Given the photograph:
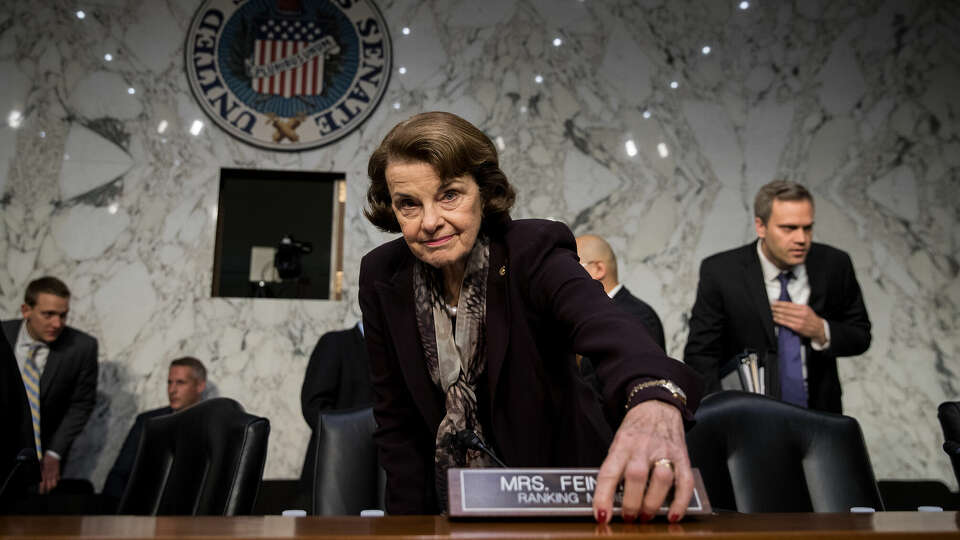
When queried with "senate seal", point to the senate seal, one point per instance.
{"points": [[288, 74]]}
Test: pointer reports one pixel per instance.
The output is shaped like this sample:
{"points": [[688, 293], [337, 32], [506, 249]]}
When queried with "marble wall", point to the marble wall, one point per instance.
{"points": [[612, 115]]}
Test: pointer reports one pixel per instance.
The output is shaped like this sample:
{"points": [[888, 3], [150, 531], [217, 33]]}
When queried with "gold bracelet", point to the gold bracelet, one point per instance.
{"points": [[666, 384]]}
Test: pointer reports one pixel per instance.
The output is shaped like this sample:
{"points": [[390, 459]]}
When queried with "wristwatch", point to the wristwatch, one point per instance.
{"points": [[666, 384]]}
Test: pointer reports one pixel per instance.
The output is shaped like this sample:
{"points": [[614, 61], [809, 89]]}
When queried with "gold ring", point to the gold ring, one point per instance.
{"points": [[663, 461]]}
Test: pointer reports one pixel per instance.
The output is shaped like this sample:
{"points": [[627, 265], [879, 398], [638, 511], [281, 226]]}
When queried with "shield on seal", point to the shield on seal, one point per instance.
{"points": [[288, 57]]}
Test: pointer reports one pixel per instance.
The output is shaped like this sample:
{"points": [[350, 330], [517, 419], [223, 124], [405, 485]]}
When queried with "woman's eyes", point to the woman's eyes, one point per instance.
{"points": [[447, 197]]}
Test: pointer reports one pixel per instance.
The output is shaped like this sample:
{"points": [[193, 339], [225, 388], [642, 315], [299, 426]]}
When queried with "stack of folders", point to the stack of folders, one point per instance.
{"points": [[751, 373]]}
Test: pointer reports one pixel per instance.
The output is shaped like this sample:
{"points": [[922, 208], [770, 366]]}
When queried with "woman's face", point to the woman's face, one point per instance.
{"points": [[440, 222]]}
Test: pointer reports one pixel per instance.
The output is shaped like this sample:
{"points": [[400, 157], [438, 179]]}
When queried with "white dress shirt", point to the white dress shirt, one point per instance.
{"points": [[22, 350], [799, 290], [613, 292]]}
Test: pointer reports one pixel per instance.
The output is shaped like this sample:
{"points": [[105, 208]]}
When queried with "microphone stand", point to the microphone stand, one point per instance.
{"points": [[468, 438], [26, 457]]}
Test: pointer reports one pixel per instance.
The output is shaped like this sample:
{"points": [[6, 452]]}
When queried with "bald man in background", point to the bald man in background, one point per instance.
{"points": [[599, 260]]}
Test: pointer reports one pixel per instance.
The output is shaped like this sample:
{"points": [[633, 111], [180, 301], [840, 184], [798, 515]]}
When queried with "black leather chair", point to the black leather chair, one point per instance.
{"points": [[348, 477], [949, 414], [757, 454], [205, 460]]}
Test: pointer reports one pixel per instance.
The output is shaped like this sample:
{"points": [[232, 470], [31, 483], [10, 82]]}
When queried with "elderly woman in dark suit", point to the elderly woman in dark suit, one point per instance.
{"points": [[472, 322]]}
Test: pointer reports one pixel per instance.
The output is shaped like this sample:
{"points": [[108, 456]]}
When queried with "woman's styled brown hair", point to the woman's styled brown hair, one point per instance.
{"points": [[454, 148]]}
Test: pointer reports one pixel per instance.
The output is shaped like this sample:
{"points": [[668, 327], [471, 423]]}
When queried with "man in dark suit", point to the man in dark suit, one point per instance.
{"points": [[185, 385], [59, 369], [338, 377], [794, 302], [598, 258]]}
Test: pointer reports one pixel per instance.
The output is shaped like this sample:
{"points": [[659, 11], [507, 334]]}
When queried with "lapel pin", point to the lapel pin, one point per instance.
{"points": [[503, 270]]}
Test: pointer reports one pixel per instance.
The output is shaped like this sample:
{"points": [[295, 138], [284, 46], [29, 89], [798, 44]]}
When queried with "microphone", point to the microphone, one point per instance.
{"points": [[25, 456], [468, 438]]}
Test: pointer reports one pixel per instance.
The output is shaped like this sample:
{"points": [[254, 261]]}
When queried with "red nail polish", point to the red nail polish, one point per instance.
{"points": [[644, 517], [629, 518], [674, 518], [601, 516]]}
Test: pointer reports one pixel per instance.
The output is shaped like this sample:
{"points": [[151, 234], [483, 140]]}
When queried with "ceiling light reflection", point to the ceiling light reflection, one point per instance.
{"points": [[15, 119], [402, 70], [706, 49], [108, 57], [196, 127], [113, 208], [405, 30], [501, 144], [80, 14], [631, 148], [557, 42], [646, 114], [538, 79], [162, 126], [744, 4], [663, 150]]}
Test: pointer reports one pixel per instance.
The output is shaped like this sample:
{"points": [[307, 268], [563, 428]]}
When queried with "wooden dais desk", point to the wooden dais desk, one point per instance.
{"points": [[728, 526]]}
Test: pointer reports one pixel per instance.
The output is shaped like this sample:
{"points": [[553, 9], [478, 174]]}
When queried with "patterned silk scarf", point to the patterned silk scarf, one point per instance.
{"points": [[455, 353]]}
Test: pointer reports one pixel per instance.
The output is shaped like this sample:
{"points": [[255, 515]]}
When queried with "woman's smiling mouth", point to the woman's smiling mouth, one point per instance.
{"points": [[438, 241]]}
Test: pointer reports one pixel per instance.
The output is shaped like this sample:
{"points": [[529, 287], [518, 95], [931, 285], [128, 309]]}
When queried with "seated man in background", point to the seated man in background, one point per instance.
{"points": [[784, 297], [338, 377], [185, 385], [58, 365], [598, 258]]}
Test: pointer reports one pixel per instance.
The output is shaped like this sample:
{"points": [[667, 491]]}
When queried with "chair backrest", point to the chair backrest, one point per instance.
{"points": [[949, 414], [757, 454], [205, 460], [348, 477]]}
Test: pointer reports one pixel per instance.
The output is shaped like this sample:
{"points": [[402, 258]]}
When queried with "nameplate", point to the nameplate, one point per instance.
{"points": [[540, 492]]}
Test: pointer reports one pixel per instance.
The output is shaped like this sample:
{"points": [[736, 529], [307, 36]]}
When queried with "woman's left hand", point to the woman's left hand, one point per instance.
{"points": [[649, 443]]}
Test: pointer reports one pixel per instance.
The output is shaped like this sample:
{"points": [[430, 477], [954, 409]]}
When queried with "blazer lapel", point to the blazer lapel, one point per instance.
{"points": [[817, 280], [498, 314], [397, 303], [56, 357], [753, 281]]}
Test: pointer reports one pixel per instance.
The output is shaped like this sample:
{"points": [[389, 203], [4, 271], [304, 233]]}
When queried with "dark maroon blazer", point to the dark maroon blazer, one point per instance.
{"points": [[542, 306]]}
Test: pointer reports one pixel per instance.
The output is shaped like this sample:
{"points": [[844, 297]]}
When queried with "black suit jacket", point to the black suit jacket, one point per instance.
{"points": [[68, 387], [123, 466], [732, 313], [542, 306], [635, 306], [338, 377], [15, 422], [651, 322]]}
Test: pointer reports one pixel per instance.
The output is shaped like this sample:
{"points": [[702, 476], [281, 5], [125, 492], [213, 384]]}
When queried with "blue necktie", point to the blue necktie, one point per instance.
{"points": [[789, 349]]}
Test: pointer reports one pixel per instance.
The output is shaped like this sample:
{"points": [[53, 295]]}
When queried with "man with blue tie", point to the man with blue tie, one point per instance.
{"points": [[58, 365], [793, 301]]}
